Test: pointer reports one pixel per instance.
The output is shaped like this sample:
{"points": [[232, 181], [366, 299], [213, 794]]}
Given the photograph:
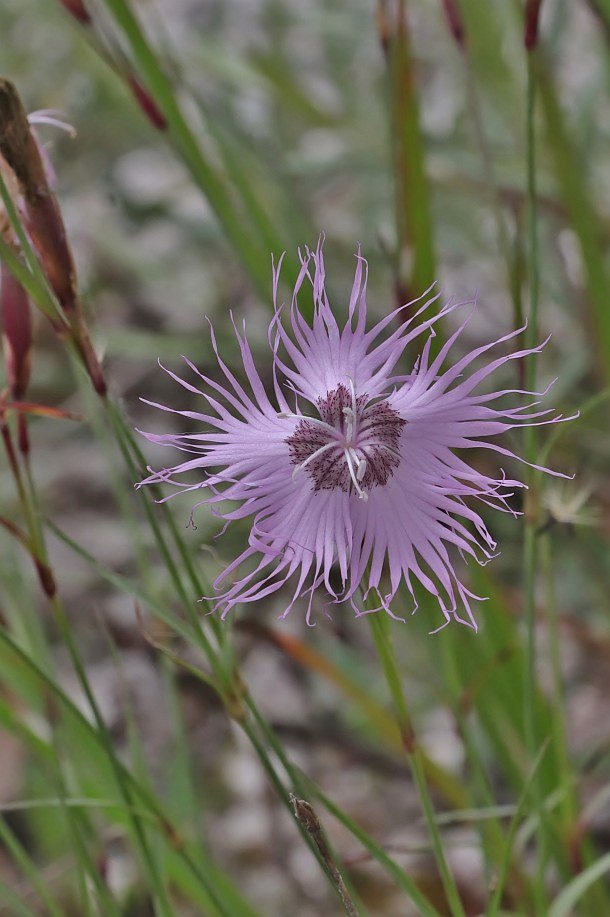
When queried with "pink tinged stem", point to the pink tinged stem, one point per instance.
{"points": [[17, 344], [77, 9], [147, 103], [532, 19], [455, 22], [16, 333]]}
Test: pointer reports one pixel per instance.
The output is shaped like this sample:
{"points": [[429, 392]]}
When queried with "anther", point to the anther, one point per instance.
{"points": [[352, 445]]}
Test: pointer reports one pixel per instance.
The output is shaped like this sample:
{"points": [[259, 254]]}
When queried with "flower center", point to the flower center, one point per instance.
{"points": [[351, 446]]}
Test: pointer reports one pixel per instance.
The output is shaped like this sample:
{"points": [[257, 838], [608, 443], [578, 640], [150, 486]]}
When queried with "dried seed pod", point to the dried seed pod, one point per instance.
{"points": [[40, 210], [42, 219]]}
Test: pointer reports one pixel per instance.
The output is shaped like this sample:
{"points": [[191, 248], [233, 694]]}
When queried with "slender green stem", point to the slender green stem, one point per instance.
{"points": [[491, 832], [149, 801], [530, 549], [596, 900], [303, 785], [136, 824], [385, 650], [568, 807], [505, 864], [205, 172], [259, 744], [531, 333], [76, 821], [14, 901], [38, 540], [510, 259], [129, 449], [587, 408], [414, 228], [234, 691], [530, 437], [572, 180], [400, 876]]}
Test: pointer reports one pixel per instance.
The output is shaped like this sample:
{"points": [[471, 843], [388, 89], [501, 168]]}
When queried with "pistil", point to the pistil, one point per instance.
{"points": [[352, 445]]}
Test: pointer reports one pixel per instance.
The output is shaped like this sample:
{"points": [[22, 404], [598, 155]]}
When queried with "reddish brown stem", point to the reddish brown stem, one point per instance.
{"points": [[147, 104], [532, 19], [455, 22], [77, 9]]}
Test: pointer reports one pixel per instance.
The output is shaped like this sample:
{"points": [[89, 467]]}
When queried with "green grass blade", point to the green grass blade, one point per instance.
{"points": [[211, 181], [564, 903], [584, 220]]}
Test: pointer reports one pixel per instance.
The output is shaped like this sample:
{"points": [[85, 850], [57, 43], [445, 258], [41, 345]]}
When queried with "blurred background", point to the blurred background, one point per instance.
{"points": [[401, 127]]}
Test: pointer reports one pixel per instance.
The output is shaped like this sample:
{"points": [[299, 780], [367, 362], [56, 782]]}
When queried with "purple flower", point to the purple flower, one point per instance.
{"points": [[354, 467]]}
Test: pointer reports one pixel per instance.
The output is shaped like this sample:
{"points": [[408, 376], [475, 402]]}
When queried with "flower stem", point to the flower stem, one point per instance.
{"points": [[414, 228], [530, 550], [387, 656]]}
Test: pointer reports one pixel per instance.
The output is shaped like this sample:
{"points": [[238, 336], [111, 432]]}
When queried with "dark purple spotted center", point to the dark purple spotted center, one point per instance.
{"points": [[353, 446]]}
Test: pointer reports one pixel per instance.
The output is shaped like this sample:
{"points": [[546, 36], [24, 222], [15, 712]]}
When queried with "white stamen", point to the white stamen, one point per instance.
{"points": [[353, 389], [357, 437], [351, 414], [316, 420], [353, 474], [350, 417], [48, 116], [314, 455]]}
